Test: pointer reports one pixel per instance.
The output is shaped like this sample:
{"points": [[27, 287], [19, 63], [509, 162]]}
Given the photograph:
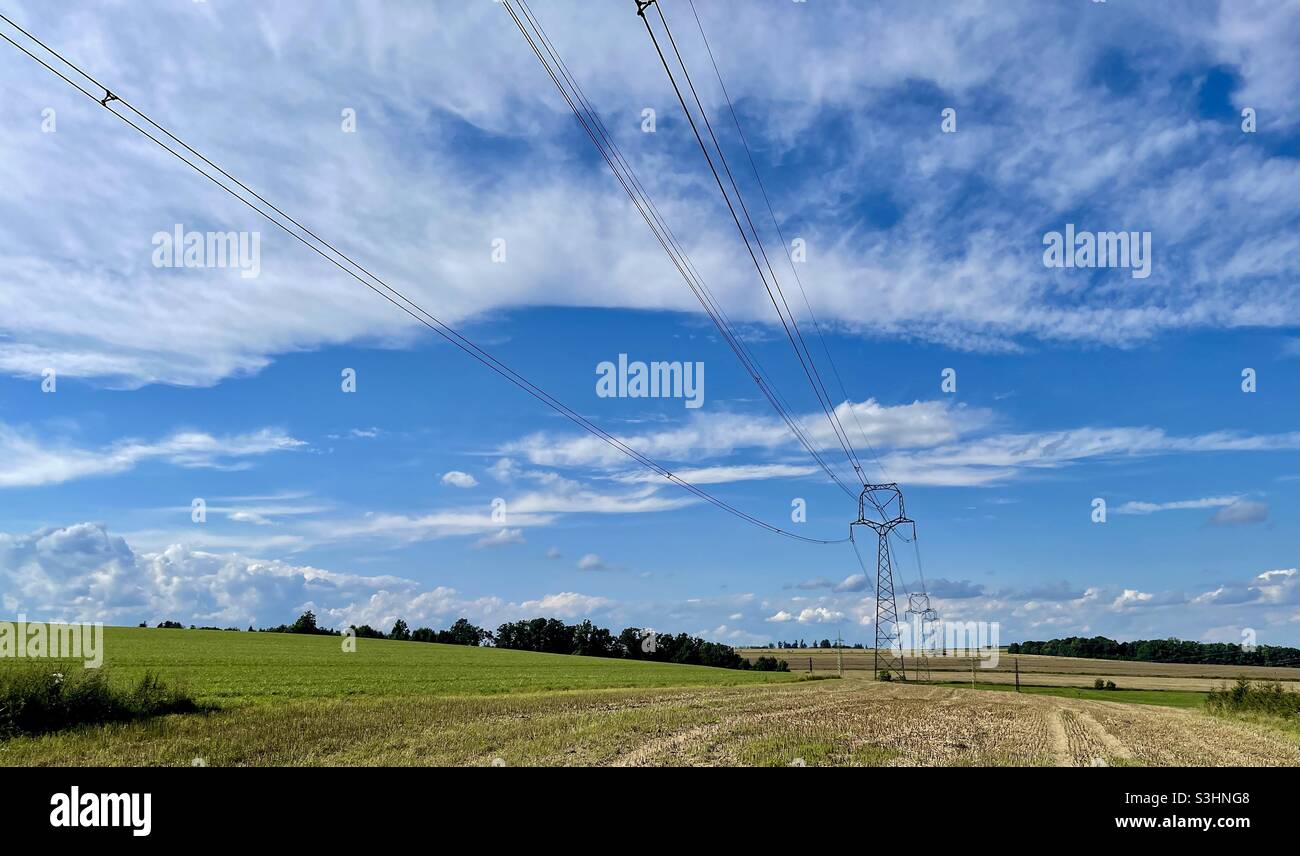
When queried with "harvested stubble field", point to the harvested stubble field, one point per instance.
{"points": [[295, 701], [1047, 671], [843, 723]]}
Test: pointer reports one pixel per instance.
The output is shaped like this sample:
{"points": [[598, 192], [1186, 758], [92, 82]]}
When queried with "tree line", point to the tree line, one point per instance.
{"points": [[801, 644], [552, 636], [1161, 651]]}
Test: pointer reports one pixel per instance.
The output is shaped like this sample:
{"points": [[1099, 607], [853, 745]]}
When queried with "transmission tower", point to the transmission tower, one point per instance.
{"points": [[880, 506], [918, 605]]}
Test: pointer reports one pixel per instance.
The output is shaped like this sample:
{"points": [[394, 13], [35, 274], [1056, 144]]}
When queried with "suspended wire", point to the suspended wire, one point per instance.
{"points": [[790, 326], [823, 396], [785, 245], [801, 346], [595, 128], [347, 265]]}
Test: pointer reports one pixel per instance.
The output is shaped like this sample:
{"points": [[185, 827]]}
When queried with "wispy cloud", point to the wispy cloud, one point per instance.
{"points": [[32, 461], [1137, 507]]}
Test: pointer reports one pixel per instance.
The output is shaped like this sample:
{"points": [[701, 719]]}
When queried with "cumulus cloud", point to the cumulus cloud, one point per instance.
{"points": [[83, 572], [456, 478], [565, 604], [819, 615]]}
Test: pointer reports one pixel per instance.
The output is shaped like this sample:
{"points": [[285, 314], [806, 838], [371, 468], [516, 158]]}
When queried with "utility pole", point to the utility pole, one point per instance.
{"points": [[839, 653], [972, 671]]}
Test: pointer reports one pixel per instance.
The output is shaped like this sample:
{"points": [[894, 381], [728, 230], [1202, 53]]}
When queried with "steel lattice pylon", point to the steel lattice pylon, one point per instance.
{"points": [[918, 605], [880, 506]]}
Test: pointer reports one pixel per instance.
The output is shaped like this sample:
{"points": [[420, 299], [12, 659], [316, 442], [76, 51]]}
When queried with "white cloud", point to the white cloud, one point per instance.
{"points": [[82, 572], [1132, 597], [592, 562], [574, 240], [819, 615], [1135, 507], [922, 443], [717, 433], [32, 461], [249, 517], [565, 604], [456, 478], [1000, 457], [500, 538]]}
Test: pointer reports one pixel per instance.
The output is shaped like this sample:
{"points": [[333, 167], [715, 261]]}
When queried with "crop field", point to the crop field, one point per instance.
{"points": [[228, 668], [1045, 671], [298, 700]]}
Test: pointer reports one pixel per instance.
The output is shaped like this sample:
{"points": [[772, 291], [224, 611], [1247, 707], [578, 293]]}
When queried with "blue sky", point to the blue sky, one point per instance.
{"points": [[924, 253]]}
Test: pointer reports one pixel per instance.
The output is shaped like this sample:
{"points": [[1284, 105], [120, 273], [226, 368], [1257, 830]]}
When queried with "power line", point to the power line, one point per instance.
{"points": [[347, 265], [785, 245], [791, 326], [609, 150]]}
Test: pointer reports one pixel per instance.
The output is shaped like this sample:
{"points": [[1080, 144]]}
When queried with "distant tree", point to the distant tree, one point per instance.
{"points": [[464, 633], [826, 643], [365, 631], [306, 623], [592, 641], [1099, 684], [400, 631]]}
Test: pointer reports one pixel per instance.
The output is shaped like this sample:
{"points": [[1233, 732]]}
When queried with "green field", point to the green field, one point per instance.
{"points": [[276, 698], [226, 668]]}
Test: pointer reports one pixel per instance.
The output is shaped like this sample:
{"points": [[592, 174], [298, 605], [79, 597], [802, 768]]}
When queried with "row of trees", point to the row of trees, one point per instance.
{"points": [[1161, 651], [799, 643], [552, 636]]}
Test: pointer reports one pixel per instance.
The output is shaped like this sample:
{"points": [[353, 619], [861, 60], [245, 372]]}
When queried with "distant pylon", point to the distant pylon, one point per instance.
{"points": [[880, 506], [918, 604]]}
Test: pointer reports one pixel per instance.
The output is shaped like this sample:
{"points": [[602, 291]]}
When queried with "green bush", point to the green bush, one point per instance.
{"points": [[38, 698], [1110, 685], [1099, 684], [885, 675], [1256, 697], [770, 664]]}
